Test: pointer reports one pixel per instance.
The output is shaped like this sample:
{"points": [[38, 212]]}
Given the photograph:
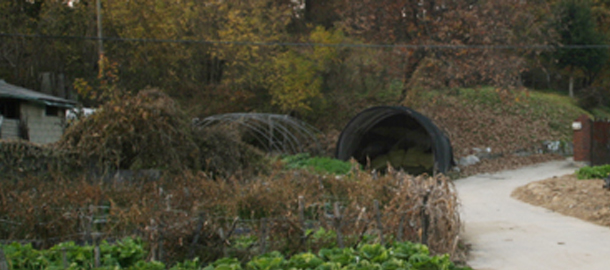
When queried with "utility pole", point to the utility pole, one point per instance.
{"points": [[100, 41]]}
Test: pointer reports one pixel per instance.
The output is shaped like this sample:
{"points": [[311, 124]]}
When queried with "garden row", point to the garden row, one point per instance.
{"points": [[131, 254]]}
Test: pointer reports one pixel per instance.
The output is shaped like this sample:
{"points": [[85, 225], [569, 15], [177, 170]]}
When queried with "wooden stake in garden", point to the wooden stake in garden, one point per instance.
{"points": [[379, 225], [425, 219], [88, 223], [338, 224], [3, 262], [302, 220], [223, 240], [263, 240], [197, 234], [401, 226], [160, 242], [64, 258], [96, 252]]}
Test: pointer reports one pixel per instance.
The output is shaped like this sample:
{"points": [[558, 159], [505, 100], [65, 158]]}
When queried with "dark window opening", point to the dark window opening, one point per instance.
{"points": [[9, 108], [52, 111]]}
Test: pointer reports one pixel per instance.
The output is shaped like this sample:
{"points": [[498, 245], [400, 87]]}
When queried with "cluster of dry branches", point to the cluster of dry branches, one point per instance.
{"points": [[193, 215]]}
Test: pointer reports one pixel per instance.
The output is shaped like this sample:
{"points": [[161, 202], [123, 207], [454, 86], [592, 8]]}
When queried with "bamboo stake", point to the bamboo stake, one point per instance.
{"points": [[338, 225], [379, 224]]}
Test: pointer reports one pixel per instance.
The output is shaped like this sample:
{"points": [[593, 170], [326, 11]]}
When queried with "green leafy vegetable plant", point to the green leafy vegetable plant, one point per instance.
{"points": [[130, 254], [595, 172], [318, 164], [124, 254], [398, 256]]}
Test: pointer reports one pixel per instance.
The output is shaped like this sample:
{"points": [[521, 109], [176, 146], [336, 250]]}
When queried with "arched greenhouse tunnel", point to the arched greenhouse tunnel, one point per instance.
{"points": [[399, 136]]}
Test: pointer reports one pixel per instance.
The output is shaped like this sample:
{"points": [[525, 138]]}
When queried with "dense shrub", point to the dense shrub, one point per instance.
{"points": [[21, 158], [595, 172], [223, 153], [140, 132]]}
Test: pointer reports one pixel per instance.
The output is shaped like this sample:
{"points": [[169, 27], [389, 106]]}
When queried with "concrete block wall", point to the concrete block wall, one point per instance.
{"points": [[9, 129], [42, 129]]}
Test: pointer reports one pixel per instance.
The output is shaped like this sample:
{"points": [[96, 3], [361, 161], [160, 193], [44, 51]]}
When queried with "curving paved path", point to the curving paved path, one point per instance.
{"points": [[508, 234]]}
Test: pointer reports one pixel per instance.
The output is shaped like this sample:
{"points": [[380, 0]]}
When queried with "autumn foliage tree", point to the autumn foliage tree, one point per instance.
{"points": [[299, 72], [576, 26], [23, 59], [451, 40], [308, 58]]}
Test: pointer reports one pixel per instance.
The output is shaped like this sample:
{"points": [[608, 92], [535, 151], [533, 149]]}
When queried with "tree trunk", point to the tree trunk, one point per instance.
{"points": [[571, 87], [412, 62]]}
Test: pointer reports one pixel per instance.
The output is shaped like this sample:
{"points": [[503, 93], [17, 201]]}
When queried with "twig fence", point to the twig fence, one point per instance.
{"points": [[218, 234]]}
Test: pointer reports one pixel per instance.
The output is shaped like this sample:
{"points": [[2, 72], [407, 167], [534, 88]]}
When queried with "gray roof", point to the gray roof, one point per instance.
{"points": [[12, 91]]}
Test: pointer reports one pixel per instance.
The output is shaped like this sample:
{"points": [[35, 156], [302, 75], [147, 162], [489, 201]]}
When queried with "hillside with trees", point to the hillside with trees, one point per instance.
{"points": [[321, 61]]}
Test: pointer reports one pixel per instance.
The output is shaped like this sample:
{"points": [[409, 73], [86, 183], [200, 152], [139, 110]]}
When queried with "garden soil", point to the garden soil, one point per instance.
{"points": [[506, 233], [583, 199]]}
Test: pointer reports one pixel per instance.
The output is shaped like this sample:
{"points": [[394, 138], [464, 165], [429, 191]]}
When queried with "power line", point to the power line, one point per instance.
{"points": [[306, 44]]}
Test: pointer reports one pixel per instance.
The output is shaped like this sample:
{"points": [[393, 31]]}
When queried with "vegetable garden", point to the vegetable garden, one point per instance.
{"points": [[214, 197]]}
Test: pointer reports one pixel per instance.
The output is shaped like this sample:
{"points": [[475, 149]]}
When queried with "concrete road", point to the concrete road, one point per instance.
{"points": [[508, 234]]}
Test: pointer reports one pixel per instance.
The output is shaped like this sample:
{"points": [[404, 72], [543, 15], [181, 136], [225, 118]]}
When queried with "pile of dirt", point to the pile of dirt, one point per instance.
{"points": [[584, 199]]}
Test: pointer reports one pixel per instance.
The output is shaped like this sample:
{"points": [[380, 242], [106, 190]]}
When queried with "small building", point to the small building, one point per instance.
{"points": [[30, 115]]}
